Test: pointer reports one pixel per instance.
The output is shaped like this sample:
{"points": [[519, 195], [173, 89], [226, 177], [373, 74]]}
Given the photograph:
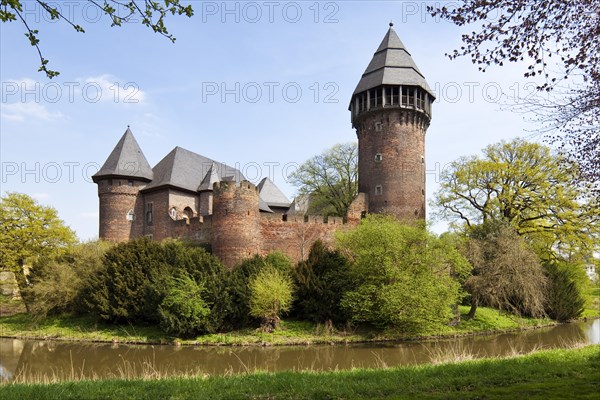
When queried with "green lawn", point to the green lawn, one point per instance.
{"points": [[66, 327], [554, 374]]}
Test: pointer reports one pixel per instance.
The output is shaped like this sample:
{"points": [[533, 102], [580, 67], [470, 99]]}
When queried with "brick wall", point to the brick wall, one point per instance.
{"points": [[392, 161]]}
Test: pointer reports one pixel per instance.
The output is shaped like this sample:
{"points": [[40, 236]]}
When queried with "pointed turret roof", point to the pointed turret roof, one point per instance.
{"points": [[392, 64], [126, 160], [187, 170], [211, 177], [271, 194]]}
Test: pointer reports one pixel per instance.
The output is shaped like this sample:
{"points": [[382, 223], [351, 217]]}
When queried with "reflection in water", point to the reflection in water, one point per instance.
{"points": [[32, 360]]}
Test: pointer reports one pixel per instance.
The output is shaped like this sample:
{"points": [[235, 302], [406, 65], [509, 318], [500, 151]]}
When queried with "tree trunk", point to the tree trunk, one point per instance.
{"points": [[474, 304]]}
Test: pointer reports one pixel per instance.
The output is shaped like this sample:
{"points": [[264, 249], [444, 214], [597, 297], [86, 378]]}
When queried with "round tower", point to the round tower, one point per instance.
{"points": [[123, 175], [235, 222], [391, 111]]}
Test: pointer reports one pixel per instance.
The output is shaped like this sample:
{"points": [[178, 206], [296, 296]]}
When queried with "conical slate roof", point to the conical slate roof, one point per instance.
{"points": [[187, 170], [126, 160], [271, 194], [392, 65]]}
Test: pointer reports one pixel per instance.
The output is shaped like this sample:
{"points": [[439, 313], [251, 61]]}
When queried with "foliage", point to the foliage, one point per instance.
{"points": [[124, 289], [271, 293], [558, 40], [526, 186], [29, 230], [58, 283], [565, 296], [151, 13], [321, 281], [138, 275], [330, 179], [507, 273], [183, 311], [402, 275], [239, 283]]}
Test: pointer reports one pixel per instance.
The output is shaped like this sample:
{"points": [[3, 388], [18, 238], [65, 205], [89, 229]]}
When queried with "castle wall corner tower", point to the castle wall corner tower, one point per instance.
{"points": [[123, 175], [391, 111]]}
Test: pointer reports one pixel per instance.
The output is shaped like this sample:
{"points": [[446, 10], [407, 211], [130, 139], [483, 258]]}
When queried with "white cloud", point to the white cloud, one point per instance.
{"points": [[30, 110], [107, 87]]}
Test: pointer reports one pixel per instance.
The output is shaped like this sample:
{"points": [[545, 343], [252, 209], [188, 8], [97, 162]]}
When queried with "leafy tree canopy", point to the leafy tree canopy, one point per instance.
{"points": [[330, 179], [28, 230], [150, 13], [556, 40], [525, 185]]}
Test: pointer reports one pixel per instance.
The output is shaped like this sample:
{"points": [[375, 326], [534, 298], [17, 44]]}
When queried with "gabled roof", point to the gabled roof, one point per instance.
{"points": [[271, 194], [187, 170], [392, 64], [126, 160]]}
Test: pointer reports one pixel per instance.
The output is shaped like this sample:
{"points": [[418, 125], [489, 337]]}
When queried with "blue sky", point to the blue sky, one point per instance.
{"points": [[260, 85]]}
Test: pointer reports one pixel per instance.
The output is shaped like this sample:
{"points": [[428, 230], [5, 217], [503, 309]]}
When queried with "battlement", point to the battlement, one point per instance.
{"points": [[244, 187]]}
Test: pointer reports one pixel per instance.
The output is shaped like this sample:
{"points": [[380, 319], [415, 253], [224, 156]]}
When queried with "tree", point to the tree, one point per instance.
{"points": [[565, 298], [151, 13], [330, 179], [28, 231], [271, 294], [183, 310], [58, 283], [525, 185], [507, 274], [401, 275], [558, 40], [321, 282]]}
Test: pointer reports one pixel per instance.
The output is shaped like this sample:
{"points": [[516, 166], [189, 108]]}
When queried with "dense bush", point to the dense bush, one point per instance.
{"points": [[183, 311], [58, 283], [138, 276], [321, 281], [402, 275], [564, 298], [507, 273], [239, 280], [271, 293]]}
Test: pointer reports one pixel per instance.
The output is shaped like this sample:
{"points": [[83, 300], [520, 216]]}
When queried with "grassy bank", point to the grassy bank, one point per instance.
{"points": [[292, 332], [542, 375]]}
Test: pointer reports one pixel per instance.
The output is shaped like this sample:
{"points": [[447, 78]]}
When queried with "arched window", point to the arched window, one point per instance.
{"points": [[130, 216], [173, 212], [188, 212]]}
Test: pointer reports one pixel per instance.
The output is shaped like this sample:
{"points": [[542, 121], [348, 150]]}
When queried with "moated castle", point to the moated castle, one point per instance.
{"points": [[190, 196]]}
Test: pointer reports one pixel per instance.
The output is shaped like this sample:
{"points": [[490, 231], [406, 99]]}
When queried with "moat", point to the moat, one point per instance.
{"points": [[32, 360]]}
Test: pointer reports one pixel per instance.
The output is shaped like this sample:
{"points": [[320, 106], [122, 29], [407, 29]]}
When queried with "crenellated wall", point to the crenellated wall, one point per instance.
{"points": [[236, 230]]}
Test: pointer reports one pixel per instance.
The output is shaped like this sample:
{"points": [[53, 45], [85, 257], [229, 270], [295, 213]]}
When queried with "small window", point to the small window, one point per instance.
{"points": [[130, 182], [130, 216], [110, 182], [378, 157], [149, 213], [378, 126], [188, 212], [378, 190], [173, 213]]}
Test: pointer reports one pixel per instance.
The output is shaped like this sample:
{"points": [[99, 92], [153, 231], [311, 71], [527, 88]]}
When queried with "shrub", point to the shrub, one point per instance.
{"points": [[564, 298], [183, 311], [271, 293], [139, 275], [59, 283], [401, 275], [239, 280], [321, 281], [507, 273]]}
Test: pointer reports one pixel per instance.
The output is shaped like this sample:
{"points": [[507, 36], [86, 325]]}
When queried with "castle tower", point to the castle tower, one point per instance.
{"points": [[235, 221], [391, 110], [119, 181]]}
